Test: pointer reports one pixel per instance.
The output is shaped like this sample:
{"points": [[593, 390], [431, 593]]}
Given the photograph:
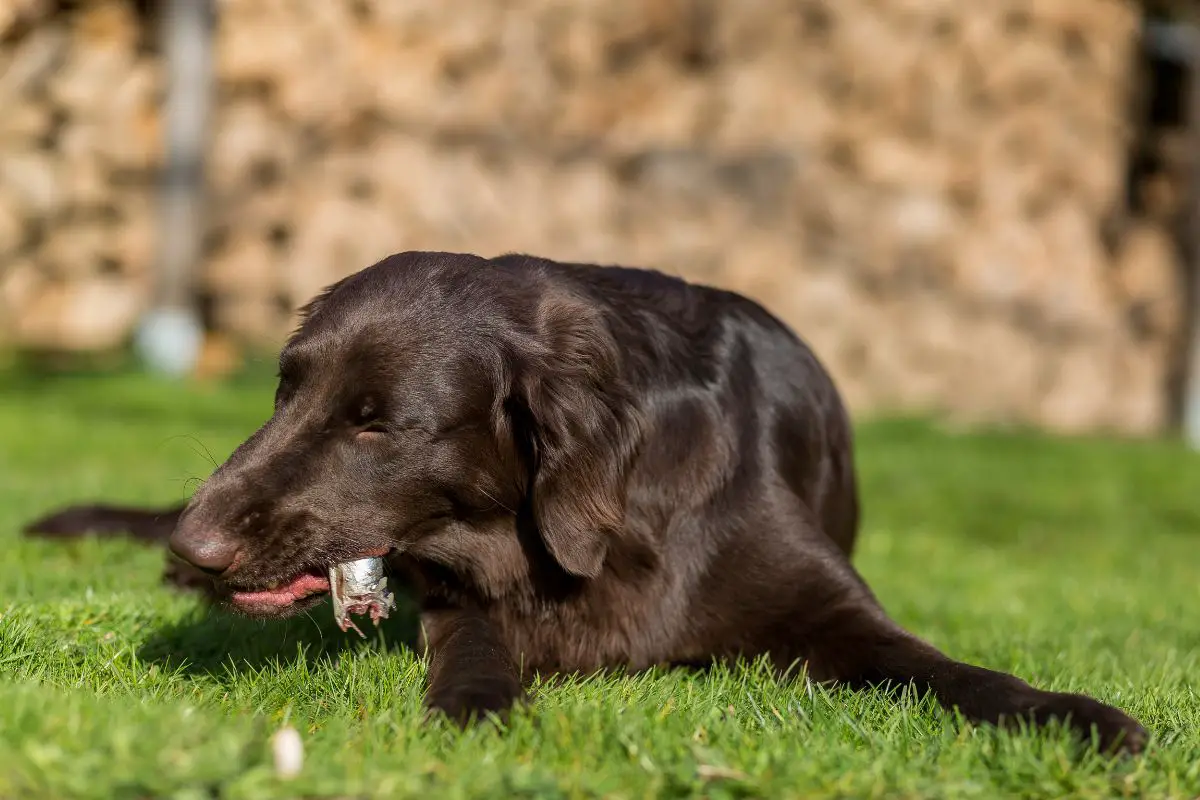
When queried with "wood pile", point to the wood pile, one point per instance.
{"points": [[918, 186], [78, 143]]}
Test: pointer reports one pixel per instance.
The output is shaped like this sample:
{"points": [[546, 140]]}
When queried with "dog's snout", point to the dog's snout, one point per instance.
{"points": [[203, 547]]}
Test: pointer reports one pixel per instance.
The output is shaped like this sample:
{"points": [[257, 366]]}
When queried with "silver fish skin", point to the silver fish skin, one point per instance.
{"points": [[359, 587]]}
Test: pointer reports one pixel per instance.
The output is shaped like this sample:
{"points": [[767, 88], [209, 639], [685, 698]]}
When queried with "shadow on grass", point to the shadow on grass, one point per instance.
{"points": [[217, 645]]}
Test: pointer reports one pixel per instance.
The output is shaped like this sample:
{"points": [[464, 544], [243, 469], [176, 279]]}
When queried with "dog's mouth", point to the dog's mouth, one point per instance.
{"points": [[312, 583], [282, 598]]}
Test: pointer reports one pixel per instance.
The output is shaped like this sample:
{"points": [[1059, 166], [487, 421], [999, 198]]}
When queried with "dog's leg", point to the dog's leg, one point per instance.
{"points": [[843, 634], [471, 671]]}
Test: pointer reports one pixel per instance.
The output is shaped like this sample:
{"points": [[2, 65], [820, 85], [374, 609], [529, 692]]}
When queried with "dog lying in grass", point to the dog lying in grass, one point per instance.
{"points": [[573, 468]]}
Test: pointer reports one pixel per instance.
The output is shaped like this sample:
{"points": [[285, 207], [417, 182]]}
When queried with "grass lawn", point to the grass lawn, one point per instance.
{"points": [[1075, 564]]}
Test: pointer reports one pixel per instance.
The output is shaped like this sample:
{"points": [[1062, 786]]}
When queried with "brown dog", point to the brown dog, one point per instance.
{"points": [[574, 468]]}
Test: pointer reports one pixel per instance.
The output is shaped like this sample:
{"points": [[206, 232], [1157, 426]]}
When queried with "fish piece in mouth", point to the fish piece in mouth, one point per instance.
{"points": [[359, 587]]}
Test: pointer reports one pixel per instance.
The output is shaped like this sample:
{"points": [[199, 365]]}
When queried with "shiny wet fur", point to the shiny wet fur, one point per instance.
{"points": [[573, 468]]}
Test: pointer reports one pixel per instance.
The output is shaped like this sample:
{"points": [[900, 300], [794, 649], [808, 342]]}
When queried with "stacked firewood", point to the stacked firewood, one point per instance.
{"points": [[920, 187], [78, 143]]}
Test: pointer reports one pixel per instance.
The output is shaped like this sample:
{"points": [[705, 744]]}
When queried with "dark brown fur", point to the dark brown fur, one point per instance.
{"points": [[574, 468]]}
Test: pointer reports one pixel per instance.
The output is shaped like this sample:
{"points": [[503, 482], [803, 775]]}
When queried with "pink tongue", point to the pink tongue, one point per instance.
{"points": [[300, 587]]}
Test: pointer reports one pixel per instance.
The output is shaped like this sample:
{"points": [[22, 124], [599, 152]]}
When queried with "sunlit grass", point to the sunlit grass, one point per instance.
{"points": [[1073, 563]]}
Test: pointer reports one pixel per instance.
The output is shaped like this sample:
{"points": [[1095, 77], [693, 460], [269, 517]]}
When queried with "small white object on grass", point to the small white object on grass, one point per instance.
{"points": [[288, 751]]}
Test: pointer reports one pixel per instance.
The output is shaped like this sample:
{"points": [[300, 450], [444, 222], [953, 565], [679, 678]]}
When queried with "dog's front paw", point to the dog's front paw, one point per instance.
{"points": [[187, 578], [468, 701]]}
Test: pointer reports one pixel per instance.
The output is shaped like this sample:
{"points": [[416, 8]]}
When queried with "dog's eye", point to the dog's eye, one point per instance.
{"points": [[373, 428], [366, 417]]}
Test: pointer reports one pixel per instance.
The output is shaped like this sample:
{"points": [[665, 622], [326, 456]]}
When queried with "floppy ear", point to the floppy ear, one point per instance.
{"points": [[582, 430]]}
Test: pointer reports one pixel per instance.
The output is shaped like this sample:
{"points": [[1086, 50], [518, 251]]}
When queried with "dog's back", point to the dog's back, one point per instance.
{"points": [[730, 386]]}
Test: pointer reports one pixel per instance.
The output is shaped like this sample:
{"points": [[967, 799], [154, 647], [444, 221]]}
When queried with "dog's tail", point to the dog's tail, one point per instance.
{"points": [[151, 525], [145, 524]]}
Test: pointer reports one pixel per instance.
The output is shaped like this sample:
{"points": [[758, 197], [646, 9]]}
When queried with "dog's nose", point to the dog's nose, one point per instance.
{"points": [[204, 548]]}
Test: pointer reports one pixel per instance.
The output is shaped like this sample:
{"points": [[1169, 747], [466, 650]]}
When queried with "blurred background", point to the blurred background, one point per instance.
{"points": [[981, 213], [981, 210]]}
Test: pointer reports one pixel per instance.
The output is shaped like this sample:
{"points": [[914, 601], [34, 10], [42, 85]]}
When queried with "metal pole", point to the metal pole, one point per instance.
{"points": [[1191, 397], [170, 335]]}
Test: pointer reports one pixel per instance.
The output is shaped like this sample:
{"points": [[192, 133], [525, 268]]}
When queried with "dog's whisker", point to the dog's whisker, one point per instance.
{"points": [[488, 495]]}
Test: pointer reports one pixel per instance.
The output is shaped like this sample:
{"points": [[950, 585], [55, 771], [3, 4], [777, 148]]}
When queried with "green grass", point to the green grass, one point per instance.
{"points": [[1072, 563]]}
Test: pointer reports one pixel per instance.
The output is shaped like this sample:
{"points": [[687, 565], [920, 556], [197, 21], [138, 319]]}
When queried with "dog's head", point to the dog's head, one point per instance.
{"points": [[429, 392]]}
